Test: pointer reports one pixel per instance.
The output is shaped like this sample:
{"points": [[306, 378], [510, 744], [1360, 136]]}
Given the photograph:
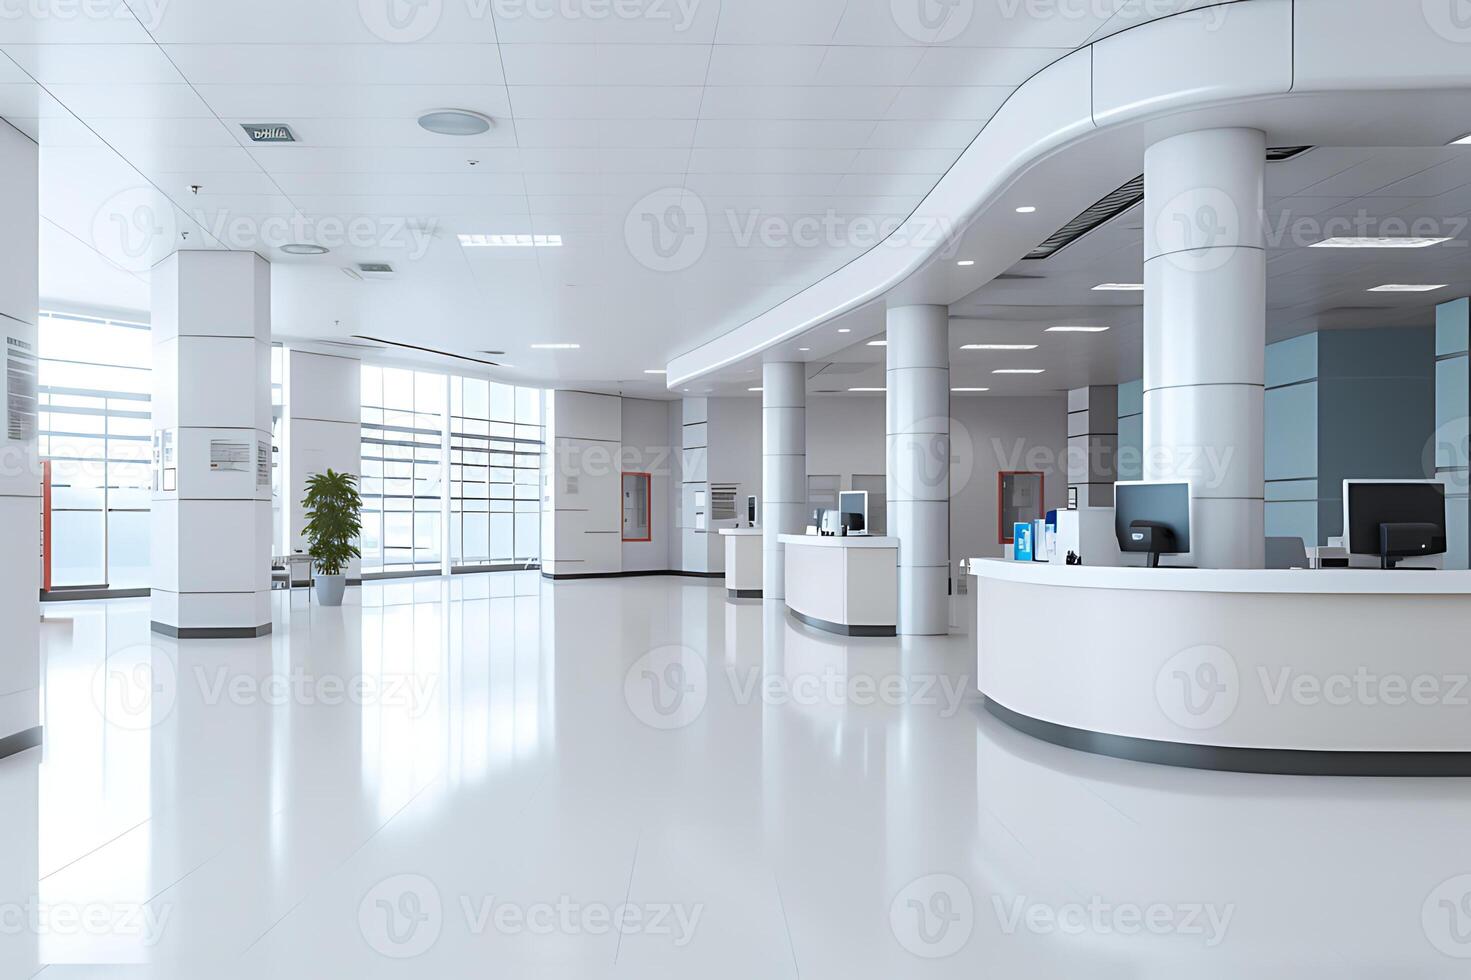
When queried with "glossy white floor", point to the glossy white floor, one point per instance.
{"points": [[495, 776]]}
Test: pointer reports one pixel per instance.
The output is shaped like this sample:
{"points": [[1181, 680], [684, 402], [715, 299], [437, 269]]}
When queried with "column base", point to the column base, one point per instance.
{"points": [[924, 600], [212, 632]]}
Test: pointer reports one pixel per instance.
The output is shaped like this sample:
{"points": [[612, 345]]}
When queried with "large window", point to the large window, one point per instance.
{"points": [[496, 440], [403, 470], [96, 429]]}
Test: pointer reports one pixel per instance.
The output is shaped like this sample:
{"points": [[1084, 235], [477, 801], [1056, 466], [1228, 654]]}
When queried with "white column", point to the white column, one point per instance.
{"points": [[918, 432], [20, 468], [783, 467], [212, 430], [1205, 335], [324, 430]]}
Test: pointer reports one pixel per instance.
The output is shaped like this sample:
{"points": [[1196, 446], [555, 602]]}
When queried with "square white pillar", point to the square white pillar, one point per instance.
{"points": [[212, 443]]}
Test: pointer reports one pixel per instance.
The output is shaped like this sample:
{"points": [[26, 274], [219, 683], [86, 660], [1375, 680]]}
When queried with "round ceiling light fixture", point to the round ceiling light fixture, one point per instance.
{"points": [[455, 122], [302, 248]]}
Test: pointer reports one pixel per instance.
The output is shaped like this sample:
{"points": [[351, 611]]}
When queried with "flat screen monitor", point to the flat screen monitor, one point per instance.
{"points": [[1368, 505], [751, 511], [1152, 518], [854, 503]]}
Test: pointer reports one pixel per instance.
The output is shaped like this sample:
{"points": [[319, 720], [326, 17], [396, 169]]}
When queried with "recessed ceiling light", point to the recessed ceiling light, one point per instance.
{"points": [[655, 371], [878, 343], [966, 391], [757, 388], [1119, 287], [1077, 329], [1463, 141], [1026, 209], [998, 346], [1399, 287], [455, 122], [1378, 242], [844, 330], [511, 241], [868, 389], [1020, 371], [966, 263], [302, 248], [803, 350], [556, 346]]}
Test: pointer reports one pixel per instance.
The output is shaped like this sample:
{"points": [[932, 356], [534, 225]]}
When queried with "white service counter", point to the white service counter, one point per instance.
{"points": [[845, 585], [742, 562], [1315, 672]]}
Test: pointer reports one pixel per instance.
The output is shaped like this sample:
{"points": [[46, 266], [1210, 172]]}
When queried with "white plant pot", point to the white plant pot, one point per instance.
{"points": [[329, 589]]}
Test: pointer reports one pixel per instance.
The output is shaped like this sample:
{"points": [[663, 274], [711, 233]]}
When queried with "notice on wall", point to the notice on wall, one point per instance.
{"points": [[262, 465], [20, 390], [228, 456], [165, 472]]}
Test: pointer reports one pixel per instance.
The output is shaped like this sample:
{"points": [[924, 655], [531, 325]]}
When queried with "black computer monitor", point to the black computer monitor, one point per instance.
{"points": [[1152, 519], [1394, 519]]}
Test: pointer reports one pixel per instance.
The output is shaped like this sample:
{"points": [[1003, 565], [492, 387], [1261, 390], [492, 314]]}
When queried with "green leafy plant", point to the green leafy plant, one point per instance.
{"points": [[333, 520]]}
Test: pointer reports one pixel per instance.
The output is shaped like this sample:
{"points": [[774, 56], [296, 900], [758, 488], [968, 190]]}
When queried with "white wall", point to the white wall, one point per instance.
{"points": [[646, 449], [845, 435], [582, 521], [20, 484], [323, 430]]}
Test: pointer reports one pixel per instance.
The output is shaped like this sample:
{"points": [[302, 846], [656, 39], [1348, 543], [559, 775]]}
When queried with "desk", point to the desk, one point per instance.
{"points": [[844, 585], [742, 562], [1349, 672]]}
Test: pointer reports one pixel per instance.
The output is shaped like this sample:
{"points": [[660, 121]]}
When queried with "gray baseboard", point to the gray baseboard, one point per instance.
{"points": [[212, 632], [841, 629], [79, 595], [743, 593], [20, 741]]}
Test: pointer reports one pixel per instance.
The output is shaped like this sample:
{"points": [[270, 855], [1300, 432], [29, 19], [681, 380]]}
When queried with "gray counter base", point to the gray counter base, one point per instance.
{"points": [[743, 593], [1272, 762], [840, 629], [212, 632], [20, 742]]}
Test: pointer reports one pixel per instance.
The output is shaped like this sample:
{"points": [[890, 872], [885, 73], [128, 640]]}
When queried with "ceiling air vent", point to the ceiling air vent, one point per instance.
{"points": [[1121, 200], [375, 268]]}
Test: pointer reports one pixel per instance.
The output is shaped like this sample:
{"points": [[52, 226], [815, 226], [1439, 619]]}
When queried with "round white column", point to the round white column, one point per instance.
{"points": [[918, 483], [1205, 313], [783, 467]]}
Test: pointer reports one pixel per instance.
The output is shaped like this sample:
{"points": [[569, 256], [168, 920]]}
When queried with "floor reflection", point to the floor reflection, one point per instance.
{"points": [[367, 792]]}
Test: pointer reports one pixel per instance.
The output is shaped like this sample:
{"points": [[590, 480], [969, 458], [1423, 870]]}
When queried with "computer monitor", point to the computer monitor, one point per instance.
{"points": [[1394, 519], [854, 504], [1152, 518], [751, 511]]}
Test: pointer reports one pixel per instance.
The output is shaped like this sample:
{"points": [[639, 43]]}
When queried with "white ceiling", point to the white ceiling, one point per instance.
{"points": [[778, 109]]}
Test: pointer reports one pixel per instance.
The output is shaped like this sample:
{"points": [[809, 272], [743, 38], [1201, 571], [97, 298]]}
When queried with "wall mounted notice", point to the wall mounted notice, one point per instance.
{"points": [[262, 465], [20, 390], [228, 456]]}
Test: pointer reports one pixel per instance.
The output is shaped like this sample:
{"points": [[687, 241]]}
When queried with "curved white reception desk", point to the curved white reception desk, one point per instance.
{"points": [[1342, 672], [845, 585], [742, 562]]}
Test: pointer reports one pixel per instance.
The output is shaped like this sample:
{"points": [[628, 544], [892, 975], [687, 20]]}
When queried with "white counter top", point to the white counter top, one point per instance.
{"points": [[834, 541], [741, 532], [1331, 581]]}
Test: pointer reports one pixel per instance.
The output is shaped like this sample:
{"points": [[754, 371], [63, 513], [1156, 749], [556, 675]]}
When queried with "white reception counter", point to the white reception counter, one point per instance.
{"points": [[1313, 672], [845, 585], [742, 562]]}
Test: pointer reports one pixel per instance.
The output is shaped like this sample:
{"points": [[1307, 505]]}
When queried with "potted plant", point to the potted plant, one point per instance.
{"points": [[333, 525]]}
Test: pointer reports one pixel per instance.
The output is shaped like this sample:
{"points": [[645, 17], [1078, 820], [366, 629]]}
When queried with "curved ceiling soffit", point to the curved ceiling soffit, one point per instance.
{"points": [[1136, 79]]}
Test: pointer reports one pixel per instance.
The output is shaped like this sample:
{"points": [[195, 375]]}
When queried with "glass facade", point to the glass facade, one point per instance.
{"points": [[95, 392], [403, 470], [496, 439]]}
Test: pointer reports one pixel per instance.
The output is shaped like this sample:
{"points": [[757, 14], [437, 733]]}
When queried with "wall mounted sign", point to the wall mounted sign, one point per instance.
{"points": [[228, 456], [20, 390], [269, 132]]}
